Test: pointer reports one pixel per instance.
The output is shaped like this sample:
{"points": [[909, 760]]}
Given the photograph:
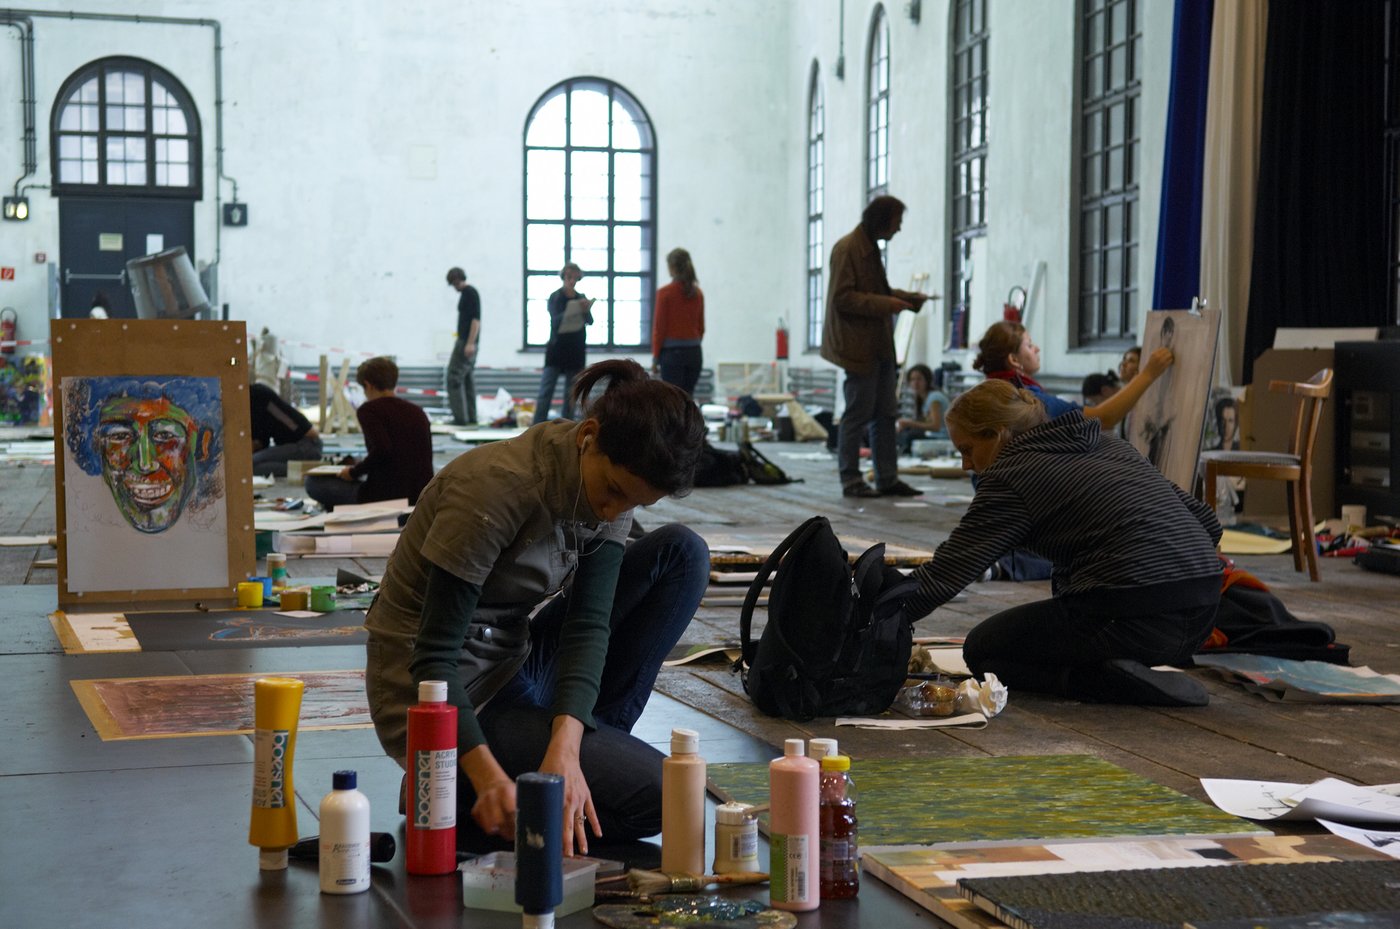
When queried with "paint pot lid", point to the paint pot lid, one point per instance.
{"points": [[734, 814], [820, 748], [684, 741], [344, 780], [432, 691], [272, 859]]}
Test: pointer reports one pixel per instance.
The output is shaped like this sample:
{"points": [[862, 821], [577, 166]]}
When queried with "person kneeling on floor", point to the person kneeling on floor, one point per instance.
{"points": [[1136, 577]]}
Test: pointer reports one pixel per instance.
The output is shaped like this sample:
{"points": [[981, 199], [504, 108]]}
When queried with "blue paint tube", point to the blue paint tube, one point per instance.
{"points": [[539, 847]]}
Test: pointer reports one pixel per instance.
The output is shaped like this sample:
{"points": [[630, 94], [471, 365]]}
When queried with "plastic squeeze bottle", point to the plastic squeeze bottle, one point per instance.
{"points": [[272, 827], [539, 848], [683, 805], [345, 856], [793, 795], [431, 831], [840, 844]]}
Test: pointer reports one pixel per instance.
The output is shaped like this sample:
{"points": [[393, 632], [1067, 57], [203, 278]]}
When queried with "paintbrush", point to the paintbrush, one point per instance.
{"points": [[673, 882]]}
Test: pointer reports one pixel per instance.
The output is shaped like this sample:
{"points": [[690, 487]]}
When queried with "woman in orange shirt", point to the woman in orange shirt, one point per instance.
{"points": [[678, 325]]}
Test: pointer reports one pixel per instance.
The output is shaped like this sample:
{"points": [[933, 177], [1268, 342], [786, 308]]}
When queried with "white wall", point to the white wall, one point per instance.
{"points": [[378, 144]]}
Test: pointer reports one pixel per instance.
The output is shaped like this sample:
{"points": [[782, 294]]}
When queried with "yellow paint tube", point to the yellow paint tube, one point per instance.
{"points": [[273, 825]]}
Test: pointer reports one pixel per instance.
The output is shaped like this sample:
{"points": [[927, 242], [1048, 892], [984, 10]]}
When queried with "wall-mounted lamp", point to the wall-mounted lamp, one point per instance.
{"points": [[915, 9], [17, 209]]}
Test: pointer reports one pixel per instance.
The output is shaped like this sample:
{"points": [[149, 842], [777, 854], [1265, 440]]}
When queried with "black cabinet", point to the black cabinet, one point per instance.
{"points": [[1367, 388]]}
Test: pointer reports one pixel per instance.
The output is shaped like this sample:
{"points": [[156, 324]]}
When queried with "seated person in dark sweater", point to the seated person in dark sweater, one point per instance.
{"points": [[280, 433], [398, 458]]}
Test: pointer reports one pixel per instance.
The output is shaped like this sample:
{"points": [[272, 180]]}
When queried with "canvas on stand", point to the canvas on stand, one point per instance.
{"points": [[1167, 422]]}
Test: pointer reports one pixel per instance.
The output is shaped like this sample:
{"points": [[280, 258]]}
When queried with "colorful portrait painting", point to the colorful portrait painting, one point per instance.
{"points": [[144, 481]]}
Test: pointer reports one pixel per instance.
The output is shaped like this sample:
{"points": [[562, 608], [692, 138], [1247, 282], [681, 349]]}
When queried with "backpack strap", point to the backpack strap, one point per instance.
{"points": [[796, 536]]}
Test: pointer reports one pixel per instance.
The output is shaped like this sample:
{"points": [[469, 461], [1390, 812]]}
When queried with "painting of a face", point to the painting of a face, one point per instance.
{"points": [[150, 452]]}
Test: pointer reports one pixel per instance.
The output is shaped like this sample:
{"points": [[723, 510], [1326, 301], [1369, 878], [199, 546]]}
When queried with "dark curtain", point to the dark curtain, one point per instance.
{"points": [[1319, 223], [1179, 229]]}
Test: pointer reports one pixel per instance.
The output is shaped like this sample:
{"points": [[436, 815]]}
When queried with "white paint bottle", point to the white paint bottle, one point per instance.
{"points": [[344, 858], [683, 805]]}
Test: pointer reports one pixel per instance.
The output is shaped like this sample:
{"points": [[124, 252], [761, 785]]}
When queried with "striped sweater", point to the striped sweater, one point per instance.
{"points": [[1091, 504]]}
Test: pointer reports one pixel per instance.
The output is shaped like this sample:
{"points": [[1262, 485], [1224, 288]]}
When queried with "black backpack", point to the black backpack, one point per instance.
{"points": [[759, 469], [836, 642], [719, 468]]}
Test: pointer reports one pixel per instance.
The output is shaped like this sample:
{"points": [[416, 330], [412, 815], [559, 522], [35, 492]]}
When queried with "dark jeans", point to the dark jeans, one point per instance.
{"points": [[332, 492], [1053, 646], [871, 400], [1021, 565], [663, 575], [461, 385], [273, 459], [680, 365], [546, 395]]}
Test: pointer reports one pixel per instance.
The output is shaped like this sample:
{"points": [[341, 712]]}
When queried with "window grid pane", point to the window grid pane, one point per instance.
{"points": [[816, 247], [968, 119], [1108, 182], [877, 165], [589, 198]]}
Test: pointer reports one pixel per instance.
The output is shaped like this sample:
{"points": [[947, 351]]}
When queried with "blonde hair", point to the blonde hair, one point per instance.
{"points": [[996, 407]]}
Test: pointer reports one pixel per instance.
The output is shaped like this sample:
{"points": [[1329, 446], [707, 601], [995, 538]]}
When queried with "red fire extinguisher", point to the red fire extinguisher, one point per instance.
{"points": [[782, 339], [9, 326], [1015, 303]]}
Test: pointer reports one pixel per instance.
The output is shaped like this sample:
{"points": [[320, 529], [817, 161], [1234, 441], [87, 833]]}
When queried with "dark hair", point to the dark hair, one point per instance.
{"points": [[1094, 384], [880, 214], [570, 266], [1002, 340], [379, 372], [645, 425], [1220, 406], [101, 299], [456, 275], [682, 269], [925, 370]]}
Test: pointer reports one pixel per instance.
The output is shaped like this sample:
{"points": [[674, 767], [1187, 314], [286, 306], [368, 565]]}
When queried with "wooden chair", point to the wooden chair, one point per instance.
{"points": [[1293, 467]]}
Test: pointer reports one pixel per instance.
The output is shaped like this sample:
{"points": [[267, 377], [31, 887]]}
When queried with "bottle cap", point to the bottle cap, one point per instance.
{"points": [[836, 763], [272, 859], [343, 780], [537, 920], [820, 748], [794, 747], [432, 691], [685, 741], [734, 814]]}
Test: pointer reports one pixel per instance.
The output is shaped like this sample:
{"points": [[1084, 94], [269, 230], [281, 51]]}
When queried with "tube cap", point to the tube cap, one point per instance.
{"points": [[820, 748], [344, 780], [836, 763], [794, 747], [432, 691], [684, 741], [537, 920], [272, 859]]}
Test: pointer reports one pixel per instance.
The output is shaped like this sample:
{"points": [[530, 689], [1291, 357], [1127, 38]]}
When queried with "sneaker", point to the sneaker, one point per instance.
{"points": [[899, 489], [860, 489]]}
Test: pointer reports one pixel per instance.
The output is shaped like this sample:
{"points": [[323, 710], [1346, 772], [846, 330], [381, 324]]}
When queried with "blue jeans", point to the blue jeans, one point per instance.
{"points": [[871, 399], [680, 365], [546, 395], [663, 576], [332, 492]]}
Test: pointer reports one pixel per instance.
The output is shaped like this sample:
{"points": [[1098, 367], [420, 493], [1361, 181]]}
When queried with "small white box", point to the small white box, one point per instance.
{"points": [[488, 883]]}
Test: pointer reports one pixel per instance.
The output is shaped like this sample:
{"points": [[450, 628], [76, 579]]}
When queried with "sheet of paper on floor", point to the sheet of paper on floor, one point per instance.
{"points": [[1387, 843], [962, 721], [1304, 681], [1328, 798]]}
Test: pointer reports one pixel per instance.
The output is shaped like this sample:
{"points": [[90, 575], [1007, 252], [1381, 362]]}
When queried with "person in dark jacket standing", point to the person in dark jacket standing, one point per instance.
{"points": [[858, 336], [461, 386], [1136, 577], [563, 356]]}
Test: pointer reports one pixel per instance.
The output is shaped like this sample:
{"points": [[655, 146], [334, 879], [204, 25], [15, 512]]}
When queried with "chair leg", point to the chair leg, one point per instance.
{"points": [[1305, 513], [1295, 528]]}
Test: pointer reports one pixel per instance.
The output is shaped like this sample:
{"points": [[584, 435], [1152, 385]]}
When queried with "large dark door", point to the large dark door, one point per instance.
{"points": [[97, 237]]}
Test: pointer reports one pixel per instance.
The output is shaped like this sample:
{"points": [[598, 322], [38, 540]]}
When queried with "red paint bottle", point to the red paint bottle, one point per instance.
{"points": [[432, 782]]}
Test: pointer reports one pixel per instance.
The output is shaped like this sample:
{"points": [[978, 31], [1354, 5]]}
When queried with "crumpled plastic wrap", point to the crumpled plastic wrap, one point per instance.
{"points": [[987, 697]]}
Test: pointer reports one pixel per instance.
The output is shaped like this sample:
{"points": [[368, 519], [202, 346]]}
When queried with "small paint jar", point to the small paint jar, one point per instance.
{"points": [[277, 569], [736, 839], [266, 583], [323, 599], [295, 598], [250, 595]]}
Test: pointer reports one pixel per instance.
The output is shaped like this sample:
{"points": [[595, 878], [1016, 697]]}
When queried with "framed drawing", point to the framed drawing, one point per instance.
{"points": [[1167, 422], [153, 460]]}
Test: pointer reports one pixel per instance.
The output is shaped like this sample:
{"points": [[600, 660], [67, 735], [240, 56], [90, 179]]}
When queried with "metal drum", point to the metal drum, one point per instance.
{"points": [[166, 286]]}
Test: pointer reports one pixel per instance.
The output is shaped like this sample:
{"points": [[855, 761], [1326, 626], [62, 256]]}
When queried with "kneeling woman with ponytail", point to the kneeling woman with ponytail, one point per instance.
{"points": [[500, 530], [1136, 577]]}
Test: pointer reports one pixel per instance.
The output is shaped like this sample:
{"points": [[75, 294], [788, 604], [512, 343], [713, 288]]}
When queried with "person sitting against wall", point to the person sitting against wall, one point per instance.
{"points": [[398, 460], [929, 406], [280, 433], [1099, 387], [1136, 574]]}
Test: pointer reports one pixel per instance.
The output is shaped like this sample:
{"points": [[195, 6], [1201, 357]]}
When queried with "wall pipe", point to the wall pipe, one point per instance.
{"points": [[16, 17]]}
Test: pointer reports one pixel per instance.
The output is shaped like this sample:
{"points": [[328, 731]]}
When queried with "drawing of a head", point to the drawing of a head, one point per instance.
{"points": [[154, 444]]}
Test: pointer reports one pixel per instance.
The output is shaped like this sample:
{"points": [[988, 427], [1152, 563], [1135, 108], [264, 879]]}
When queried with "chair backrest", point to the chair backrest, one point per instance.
{"points": [[1311, 394]]}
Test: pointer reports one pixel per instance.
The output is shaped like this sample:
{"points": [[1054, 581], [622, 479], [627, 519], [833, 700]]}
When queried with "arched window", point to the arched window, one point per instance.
{"points": [[877, 119], [1108, 139], [125, 127], [590, 198], [968, 129], [816, 246]]}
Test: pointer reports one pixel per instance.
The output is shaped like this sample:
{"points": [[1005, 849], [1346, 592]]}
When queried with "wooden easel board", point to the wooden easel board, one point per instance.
{"points": [[152, 460]]}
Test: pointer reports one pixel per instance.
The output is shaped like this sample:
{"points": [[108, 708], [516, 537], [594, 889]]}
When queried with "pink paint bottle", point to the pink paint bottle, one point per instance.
{"points": [[794, 829]]}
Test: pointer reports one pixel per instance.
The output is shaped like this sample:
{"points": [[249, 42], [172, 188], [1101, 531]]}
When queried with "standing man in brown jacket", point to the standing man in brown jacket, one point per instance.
{"points": [[859, 337]]}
